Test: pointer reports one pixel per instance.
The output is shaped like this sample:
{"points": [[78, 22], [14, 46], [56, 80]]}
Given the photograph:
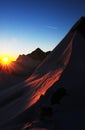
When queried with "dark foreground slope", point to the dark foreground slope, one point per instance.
{"points": [[71, 110], [73, 77]]}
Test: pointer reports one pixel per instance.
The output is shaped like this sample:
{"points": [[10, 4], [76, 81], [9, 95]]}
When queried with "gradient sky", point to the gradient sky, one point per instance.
{"points": [[28, 24]]}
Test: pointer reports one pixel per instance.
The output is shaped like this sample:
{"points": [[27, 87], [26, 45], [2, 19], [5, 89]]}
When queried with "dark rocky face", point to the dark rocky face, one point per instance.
{"points": [[80, 26], [58, 95]]}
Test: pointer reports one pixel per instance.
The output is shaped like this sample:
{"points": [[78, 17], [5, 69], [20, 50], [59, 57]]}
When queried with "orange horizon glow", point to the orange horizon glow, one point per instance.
{"points": [[10, 57], [5, 60], [6, 63]]}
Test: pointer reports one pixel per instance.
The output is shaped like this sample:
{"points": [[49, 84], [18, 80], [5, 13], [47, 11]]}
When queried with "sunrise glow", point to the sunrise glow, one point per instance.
{"points": [[6, 60]]}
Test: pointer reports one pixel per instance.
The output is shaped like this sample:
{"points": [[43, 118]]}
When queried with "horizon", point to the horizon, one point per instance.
{"points": [[27, 25]]}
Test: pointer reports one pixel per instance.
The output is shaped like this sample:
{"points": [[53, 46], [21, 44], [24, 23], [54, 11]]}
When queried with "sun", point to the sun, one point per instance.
{"points": [[6, 60]]}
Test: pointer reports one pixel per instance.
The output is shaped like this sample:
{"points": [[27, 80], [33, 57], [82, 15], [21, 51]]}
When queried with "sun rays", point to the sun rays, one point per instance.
{"points": [[5, 60]]}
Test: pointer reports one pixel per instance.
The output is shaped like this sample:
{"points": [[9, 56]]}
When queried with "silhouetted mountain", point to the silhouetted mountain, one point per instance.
{"points": [[25, 64], [21, 57], [37, 54]]}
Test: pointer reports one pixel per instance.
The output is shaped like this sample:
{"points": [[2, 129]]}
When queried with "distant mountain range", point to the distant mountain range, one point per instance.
{"points": [[57, 83], [37, 54], [25, 64]]}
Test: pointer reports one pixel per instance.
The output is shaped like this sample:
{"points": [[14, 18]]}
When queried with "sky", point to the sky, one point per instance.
{"points": [[28, 24]]}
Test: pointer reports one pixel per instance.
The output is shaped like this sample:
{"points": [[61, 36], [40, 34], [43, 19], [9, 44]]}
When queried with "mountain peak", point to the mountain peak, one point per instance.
{"points": [[80, 26], [38, 49], [38, 54]]}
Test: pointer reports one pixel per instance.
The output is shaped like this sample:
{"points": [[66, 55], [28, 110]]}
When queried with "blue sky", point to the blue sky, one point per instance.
{"points": [[28, 24]]}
